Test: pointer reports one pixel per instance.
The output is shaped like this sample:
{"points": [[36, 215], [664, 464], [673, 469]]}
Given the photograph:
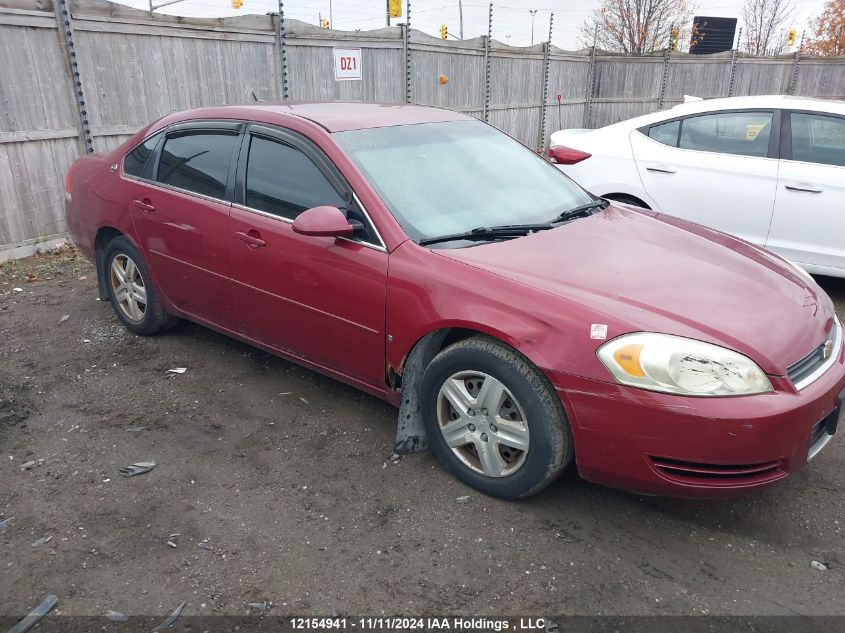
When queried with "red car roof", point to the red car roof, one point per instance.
{"points": [[338, 117]]}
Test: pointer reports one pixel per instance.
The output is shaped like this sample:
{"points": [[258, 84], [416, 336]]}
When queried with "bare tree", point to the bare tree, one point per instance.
{"points": [[636, 26], [764, 26]]}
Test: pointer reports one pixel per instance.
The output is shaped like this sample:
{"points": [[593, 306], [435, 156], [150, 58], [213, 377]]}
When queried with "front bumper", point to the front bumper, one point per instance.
{"points": [[679, 446]]}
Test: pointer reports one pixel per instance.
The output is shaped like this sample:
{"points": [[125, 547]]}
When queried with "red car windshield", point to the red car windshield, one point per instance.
{"points": [[444, 178]]}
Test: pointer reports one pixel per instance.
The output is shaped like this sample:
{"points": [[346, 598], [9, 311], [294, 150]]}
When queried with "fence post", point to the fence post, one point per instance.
{"points": [[793, 86], [487, 63], [732, 82], [283, 54], [547, 50], [591, 87], [66, 31], [664, 79], [406, 43]]}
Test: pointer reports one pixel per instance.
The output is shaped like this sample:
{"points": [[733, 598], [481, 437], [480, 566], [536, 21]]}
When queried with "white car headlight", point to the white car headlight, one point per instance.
{"points": [[679, 365]]}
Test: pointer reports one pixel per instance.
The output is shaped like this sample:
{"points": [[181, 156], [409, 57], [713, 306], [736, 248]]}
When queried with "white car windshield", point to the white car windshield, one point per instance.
{"points": [[447, 178]]}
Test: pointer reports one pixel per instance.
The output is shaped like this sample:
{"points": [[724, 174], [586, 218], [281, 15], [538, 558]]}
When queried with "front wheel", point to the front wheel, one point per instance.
{"points": [[493, 419]]}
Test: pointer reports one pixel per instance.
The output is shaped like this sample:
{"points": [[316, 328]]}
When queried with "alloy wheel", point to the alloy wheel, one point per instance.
{"points": [[128, 288]]}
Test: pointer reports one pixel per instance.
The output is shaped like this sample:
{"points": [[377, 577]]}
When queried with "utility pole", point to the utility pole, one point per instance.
{"points": [[461, 19], [331, 19], [387, 5], [533, 12]]}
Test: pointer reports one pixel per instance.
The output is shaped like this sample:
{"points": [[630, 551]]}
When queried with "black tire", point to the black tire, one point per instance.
{"points": [[550, 449], [154, 318], [626, 199]]}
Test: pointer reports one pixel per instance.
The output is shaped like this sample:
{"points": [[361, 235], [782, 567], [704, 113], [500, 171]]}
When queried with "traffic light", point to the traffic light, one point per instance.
{"points": [[791, 35], [443, 32], [324, 23], [394, 8], [673, 38], [237, 4]]}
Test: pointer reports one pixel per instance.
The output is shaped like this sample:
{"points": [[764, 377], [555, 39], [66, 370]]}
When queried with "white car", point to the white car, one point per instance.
{"points": [[768, 169]]}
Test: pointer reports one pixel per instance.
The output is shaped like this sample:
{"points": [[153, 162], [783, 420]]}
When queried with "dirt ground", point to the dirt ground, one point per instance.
{"points": [[285, 476]]}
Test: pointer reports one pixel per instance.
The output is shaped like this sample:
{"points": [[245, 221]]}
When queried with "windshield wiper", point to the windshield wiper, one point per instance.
{"points": [[482, 233], [582, 209]]}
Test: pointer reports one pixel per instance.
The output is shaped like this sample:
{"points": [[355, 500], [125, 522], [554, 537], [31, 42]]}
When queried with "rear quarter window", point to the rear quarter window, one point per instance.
{"points": [[136, 160]]}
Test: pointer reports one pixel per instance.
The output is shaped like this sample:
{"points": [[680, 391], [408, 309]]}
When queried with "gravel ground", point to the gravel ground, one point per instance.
{"points": [[285, 476]]}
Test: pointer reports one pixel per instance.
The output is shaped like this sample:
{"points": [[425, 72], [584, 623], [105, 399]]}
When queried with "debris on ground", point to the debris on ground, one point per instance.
{"points": [[42, 541], [304, 400], [4, 523], [171, 544], [17, 289], [35, 615], [64, 318], [170, 619], [116, 616], [820, 566], [177, 370], [28, 465], [138, 468], [136, 429], [204, 545], [258, 606], [463, 499]]}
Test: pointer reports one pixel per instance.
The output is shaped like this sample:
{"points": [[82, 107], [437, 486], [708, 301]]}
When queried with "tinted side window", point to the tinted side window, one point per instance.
{"points": [[666, 133], [818, 139], [134, 162], [283, 181], [197, 161], [743, 133]]}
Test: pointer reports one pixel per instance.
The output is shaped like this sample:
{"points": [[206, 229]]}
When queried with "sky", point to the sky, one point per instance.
{"points": [[511, 18]]}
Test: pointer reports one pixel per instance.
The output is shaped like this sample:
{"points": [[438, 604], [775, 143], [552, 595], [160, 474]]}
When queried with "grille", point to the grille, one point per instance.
{"points": [[716, 474], [804, 368], [819, 431], [799, 370]]}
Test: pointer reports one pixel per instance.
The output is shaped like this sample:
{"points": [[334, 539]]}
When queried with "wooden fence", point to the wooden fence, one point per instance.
{"points": [[86, 74]]}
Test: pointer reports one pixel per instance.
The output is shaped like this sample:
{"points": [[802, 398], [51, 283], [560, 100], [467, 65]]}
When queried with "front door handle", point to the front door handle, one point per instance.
{"points": [[661, 169], [143, 205], [802, 189], [252, 239]]}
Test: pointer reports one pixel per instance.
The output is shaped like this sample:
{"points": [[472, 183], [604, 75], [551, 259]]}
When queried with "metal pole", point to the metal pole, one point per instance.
{"points": [[664, 80], [331, 17], [533, 12], [283, 54], [461, 19], [64, 21], [387, 4], [793, 86], [546, 54], [407, 43], [487, 63], [732, 82]]}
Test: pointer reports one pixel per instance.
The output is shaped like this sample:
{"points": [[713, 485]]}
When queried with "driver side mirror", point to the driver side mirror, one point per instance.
{"points": [[323, 222]]}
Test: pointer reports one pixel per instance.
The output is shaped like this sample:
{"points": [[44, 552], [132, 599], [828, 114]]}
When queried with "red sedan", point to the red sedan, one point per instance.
{"points": [[517, 321]]}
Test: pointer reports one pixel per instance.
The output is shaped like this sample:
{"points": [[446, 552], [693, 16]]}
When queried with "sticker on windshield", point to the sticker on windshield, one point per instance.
{"points": [[598, 331]]}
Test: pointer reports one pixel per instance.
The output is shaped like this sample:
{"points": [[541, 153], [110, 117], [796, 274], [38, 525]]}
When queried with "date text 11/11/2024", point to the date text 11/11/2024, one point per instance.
{"points": [[409, 623]]}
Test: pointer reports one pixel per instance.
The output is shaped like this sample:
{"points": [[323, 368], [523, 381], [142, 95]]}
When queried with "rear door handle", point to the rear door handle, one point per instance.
{"points": [[802, 189], [252, 239], [661, 170], [143, 205]]}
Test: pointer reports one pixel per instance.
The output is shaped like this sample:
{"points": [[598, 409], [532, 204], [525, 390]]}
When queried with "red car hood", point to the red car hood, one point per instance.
{"points": [[643, 271]]}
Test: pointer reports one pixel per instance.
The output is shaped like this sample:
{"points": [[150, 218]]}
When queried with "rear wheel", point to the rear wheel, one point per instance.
{"points": [[133, 296], [493, 419]]}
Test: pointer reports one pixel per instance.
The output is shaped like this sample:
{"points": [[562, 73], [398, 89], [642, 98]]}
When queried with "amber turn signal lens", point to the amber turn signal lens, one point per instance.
{"points": [[628, 358]]}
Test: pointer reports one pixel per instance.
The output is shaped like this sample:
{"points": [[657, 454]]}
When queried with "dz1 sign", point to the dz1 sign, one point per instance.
{"points": [[347, 64]]}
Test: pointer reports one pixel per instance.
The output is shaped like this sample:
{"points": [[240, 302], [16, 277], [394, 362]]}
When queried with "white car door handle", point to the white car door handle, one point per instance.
{"points": [[803, 189], [660, 169]]}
